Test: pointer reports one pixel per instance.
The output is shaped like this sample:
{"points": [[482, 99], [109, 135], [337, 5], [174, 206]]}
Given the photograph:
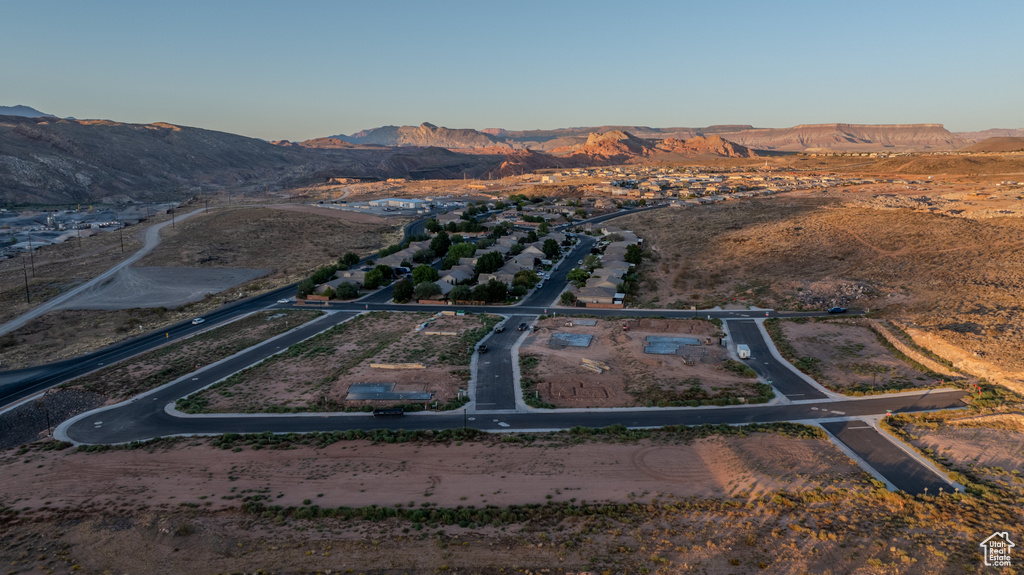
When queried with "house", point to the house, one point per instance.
{"points": [[597, 294], [457, 275], [357, 277]]}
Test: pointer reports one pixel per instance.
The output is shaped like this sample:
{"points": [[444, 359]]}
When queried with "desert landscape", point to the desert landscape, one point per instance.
{"points": [[466, 289]]}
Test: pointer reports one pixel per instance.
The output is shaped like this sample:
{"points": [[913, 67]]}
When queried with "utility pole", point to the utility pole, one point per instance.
{"points": [[31, 255], [172, 217], [28, 299], [120, 230]]}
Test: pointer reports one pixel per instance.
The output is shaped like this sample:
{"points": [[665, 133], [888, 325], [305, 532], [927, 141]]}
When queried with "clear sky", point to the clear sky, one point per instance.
{"points": [[304, 69]]}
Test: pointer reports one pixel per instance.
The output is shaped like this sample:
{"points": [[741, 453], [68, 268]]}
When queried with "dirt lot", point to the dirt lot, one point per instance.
{"points": [[635, 378], [153, 369], [61, 267], [316, 374], [718, 505], [849, 357], [959, 278], [289, 241]]}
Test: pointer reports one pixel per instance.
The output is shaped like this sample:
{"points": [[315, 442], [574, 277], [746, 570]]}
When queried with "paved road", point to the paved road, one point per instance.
{"points": [[784, 378], [888, 459], [152, 240], [495, 385]]}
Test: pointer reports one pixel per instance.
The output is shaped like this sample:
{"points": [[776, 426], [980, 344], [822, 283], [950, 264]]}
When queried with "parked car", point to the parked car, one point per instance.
{"points": [[198, 321], [523, 326], [499, 328], [837, 310], [481, 349], [283, 301]]}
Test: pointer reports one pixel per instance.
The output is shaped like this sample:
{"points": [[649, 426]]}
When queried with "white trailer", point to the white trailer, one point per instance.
{"points": [[743, 351]]}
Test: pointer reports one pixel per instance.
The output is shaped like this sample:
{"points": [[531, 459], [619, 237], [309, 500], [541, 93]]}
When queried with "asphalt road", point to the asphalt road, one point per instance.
{"points": [[495, 385], [903, 471], [782, 377]]}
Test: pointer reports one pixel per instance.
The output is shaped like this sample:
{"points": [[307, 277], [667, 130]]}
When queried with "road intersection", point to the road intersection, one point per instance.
{"points": [[496, 402]]}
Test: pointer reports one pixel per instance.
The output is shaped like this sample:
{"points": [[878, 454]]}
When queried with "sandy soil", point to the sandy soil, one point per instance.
{"points": [[318, 375], [358, 473], [850, 356], [565, 383], [168, 511], [995, 454]]}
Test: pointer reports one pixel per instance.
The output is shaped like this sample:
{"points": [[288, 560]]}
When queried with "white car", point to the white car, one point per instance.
{"points": [[198, 321], [283, 301]]}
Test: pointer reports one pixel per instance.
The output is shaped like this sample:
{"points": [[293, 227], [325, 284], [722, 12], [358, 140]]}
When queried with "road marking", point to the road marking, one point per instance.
{"points": [[195, 379], [839, 412], [503, 424], [101, 423], [815, 408], [472, 419], [865, 427]]}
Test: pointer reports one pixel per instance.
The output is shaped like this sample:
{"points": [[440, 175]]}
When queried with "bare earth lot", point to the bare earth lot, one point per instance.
{"points": [[160, 287], [958, 278], [635, 378], [316, 374], [760, 503], [849, 356], [289, 241]]}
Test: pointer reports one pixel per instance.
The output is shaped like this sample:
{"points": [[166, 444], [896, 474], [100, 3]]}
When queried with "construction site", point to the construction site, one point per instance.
{"points": [[621, 363]]}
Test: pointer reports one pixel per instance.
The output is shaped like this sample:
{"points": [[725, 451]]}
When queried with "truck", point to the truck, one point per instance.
{"points": [[743, 351]]}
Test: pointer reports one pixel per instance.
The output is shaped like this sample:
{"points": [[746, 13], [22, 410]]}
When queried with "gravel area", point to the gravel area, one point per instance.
{"points": [[24, 423]]}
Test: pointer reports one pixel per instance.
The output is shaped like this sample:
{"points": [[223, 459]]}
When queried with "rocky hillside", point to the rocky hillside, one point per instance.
{"points": [[1002, 144], [424, 135], [850, 137], [25, 111], [47, 160], [618, 146]]}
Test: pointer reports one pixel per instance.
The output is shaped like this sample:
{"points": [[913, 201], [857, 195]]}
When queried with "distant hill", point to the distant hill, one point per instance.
{"points": [[837, 137], [993, 133], [1003, 144], [424, 135], [23, 111], [618, 146], [48, 160], [850, 137]]}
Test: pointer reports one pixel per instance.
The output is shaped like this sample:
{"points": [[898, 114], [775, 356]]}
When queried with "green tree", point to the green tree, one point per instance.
{"points": [[591, 262], [424, 274], [440, 243], [456, 252], [516, 249], [433, 226], [403, 291], [634, 254], [386, 272], [551, 248], [350, 259], [531, 236], [526, 278], [578, 277], [304, 288], [346, 290], [424, 256], [329, 292], [460, 293], [374, 279], [426, 290], [489, 263], [568, 298], [543, 229]]}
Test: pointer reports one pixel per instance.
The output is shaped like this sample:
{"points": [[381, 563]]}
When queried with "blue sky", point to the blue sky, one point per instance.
{"points": [[297, 70]]}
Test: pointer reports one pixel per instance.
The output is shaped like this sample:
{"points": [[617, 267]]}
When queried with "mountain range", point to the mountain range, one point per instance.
{"points": [[50, 160]]}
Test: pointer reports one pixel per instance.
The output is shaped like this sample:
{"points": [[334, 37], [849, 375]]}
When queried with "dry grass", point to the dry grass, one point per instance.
{"points": [[961, 279], [289, 242]]}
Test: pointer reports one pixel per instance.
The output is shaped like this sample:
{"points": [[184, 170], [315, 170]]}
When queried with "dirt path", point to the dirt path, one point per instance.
{"points": [[152, 240]]}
